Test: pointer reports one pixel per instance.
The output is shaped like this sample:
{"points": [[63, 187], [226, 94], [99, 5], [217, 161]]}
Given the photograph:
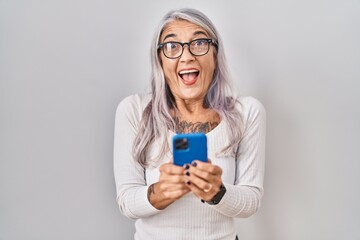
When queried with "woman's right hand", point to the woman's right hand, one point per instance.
{"points": [[169, 188]]}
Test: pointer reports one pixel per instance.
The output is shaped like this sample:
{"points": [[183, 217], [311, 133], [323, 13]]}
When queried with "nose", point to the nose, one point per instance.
{"points": [[186, 55]]}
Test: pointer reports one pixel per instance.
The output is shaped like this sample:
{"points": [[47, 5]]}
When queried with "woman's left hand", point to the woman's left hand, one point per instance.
{"points": [[203, 179]]}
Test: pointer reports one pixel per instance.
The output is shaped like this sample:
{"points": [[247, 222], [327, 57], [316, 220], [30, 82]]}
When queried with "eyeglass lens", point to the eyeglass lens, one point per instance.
{"points": [[175, 49]]}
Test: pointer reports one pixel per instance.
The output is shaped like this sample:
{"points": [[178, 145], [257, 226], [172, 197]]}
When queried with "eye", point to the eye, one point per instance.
{"points": [[171, 46], [200, 43]]}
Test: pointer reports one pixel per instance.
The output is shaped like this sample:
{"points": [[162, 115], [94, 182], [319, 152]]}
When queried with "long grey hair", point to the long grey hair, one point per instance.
{"points": [[157, 120]]}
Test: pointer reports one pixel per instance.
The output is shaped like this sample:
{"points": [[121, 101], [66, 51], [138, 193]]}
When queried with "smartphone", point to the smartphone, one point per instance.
{"points": [[189, 147]]}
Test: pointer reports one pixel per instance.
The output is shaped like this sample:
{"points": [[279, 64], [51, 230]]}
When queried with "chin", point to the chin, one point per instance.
{"points": [[191, 95]]}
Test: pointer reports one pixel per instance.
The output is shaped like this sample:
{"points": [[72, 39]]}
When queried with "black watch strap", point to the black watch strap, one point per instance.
{"points": [[217, 198]]}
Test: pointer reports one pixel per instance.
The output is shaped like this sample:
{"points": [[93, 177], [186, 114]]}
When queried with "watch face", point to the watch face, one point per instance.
{"points": [[217, 198]]}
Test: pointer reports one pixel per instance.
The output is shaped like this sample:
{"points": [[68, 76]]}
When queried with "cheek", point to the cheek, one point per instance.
{"points": [[170, 72], [209, 72]]}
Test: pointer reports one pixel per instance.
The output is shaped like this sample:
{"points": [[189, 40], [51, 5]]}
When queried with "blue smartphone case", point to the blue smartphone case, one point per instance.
{"points": [[189, 147]]}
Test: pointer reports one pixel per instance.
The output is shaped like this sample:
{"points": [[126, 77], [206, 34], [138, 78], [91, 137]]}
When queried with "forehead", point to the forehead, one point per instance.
{"points": [[182, 28]]}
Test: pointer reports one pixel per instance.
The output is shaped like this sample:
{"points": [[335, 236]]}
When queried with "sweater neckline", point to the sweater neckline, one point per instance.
{"points": [[212, 132]]}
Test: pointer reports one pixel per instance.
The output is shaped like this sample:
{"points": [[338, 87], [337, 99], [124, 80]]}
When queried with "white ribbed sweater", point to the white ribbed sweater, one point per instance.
{"points": [[189, 218]]}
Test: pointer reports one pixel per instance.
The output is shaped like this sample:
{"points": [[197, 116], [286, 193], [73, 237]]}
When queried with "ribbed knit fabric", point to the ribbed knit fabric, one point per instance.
{"points": [[189, 218]]}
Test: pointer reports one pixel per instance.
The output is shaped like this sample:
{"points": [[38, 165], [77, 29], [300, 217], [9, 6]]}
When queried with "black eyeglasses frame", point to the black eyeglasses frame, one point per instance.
{"points": [[209, 40]]}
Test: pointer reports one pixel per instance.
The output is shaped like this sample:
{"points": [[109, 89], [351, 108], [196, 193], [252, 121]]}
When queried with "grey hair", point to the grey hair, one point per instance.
{"points": [[157, 120]]}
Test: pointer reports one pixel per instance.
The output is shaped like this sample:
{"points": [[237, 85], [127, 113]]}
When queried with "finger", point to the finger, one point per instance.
{"points": [[205, 184], [176, 193], [207, 167], [205, 174], [167, 186], [170, 168], [193, 173], [170, 190], [201, 194], [172, 179]]}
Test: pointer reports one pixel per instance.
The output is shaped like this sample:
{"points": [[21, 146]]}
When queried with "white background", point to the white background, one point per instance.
{"points": [[66, 64]]}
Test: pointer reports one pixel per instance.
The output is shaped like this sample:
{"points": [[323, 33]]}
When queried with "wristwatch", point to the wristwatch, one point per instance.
{"points": [[217, 198]]}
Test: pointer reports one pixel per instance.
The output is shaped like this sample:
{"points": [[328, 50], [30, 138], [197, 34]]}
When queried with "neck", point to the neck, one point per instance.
{"points": [[190, 107], [192, 116]]}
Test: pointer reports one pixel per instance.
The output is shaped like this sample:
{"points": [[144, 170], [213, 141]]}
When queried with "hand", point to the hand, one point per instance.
{"points": [[203, 179], [170, 187]]}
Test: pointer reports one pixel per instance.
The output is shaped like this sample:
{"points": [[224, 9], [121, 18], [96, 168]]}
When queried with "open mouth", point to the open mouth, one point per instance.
{"points": [[189, 76]]}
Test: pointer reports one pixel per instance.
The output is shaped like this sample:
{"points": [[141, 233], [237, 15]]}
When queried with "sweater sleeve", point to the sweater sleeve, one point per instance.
{"points": [[129, 175], [242, 199]]}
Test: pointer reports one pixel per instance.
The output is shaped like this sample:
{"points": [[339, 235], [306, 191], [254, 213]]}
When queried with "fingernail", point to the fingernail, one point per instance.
{"points": [[188, 182], [202, 201], [187, 173], [187, 166], [194, 164]]}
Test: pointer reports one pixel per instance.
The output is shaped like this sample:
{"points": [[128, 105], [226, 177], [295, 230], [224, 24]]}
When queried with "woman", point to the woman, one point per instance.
{"points": [[190, 93]]}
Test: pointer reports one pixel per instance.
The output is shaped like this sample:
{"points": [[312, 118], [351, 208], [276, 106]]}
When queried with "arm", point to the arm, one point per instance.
{"points": [[129, 175], [169, 188], [135, 198], [243, 198]]}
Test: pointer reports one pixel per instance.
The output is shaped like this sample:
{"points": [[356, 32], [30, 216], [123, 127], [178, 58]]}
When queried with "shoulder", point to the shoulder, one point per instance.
{"points": [[133, 106], [250, 103], [251, 109], [134, 102]]}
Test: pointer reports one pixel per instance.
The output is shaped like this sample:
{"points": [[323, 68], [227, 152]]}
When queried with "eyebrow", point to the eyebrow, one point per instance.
{"points": [[169, 36], [200, 33], [195, 34]]}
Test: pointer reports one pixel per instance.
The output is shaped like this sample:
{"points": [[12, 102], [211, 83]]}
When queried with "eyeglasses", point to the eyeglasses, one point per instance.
{"points": [[197, 47]]}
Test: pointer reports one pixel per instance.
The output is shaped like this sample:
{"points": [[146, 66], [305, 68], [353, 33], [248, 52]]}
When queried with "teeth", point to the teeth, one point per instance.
{"points": [[188, 71]]}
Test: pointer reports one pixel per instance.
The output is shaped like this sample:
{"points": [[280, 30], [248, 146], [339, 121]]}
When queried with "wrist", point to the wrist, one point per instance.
{"points": [[218, 196], [156, 198], [150, 191]]}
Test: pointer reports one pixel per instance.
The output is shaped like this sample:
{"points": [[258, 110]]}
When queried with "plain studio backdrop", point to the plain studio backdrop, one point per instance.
{"points": [[66, 64]]}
